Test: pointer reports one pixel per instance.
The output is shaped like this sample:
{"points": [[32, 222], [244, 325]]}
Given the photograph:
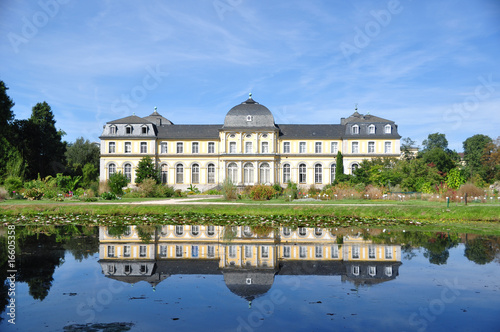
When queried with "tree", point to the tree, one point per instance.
{"points": [[116, 182], [491, 160], [407, 146], [6, 113], [146, 169], [82, 152], [90, 174], [339, 169], [454, 179], [40, 142], [435, 140], [473, 151], [439, 158], [8, 151]]}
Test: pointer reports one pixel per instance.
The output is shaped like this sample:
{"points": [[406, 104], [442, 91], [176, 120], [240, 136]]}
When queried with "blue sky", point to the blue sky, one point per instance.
{"points": [[430, 66]]}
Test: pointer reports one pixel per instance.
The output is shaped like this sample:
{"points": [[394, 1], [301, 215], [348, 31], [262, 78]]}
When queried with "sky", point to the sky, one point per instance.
{"points": [[430, 66]]}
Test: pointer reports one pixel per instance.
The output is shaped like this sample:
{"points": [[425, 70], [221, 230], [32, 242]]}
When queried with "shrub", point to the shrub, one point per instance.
{"points": [[103, 187], [291, 191], [116, 182], [471, 190], [277, 188], [3, 193], [373, 192], [13, 184], [213, 192], [262, 192], [178, 193], [229, 190], [147, 188], [108, 196], [164, 191], [33, 194]]}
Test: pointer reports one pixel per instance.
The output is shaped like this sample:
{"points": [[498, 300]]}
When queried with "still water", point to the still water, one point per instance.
{"points": [[214, 278]]}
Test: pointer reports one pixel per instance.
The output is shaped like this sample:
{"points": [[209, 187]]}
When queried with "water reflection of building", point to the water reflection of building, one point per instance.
{"points": [[247, 257]]}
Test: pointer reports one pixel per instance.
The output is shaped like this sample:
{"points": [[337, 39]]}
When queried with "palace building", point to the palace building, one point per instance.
{"points": [[249, 148]]}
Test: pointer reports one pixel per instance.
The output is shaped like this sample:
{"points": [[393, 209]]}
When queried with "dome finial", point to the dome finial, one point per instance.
{"points": [[356, 106], [155, 108], [250, 95]]}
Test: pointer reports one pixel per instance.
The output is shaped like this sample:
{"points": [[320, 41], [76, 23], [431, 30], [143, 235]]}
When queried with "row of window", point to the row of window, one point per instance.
{"points": [[113, 130], [371, 129], [127, 251], [371, 147]]}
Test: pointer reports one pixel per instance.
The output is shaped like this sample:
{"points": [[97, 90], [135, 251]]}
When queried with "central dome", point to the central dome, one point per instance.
{"points": [[249, 114]]}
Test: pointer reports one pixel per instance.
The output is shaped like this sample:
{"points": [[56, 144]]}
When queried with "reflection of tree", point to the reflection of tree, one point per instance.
{"points": [[262, 231], [38, 258], [437, 247], [117, 231], [481, 250], [146, 232], [84, 245]]}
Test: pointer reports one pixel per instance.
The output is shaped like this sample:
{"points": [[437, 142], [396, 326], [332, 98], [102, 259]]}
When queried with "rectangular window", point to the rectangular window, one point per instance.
{"points": [[371, 147], [248, 251], [335, 251], [232, 147], [355, 270], [126, 251], [211, 173], [211, 251], [265, 147], [319, 252], [143, 268], [163, 251], [144, 147], [194, 147], [180, 147], [302, 147], [178, 251], [232, 251], [286, 147], [355, 251], [128, 130], [265, 251], [371, 252], [164, 147], [128, 147], [286, 252], [248, 147], [144, 130], [303, 252], [335, 147], [111, 251], [388, 147], [355, 147], [194, 251], [211, 147], [142, 251], [112, 130], [128, 269], [317, 147], [112, 147], [388, 252]]}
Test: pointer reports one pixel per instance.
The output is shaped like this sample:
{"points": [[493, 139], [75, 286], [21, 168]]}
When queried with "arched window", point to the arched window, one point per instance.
{"points": [[333, 170], [179, 174], [354, 167], [302, 231], [265, 173], [387, 129], [211, 173], [318, 173], [302, 173], [111, 169], [164, 174], [127, 168], [371, 129], [355, 129], [248, 173], [286, 173], [195, 173], [232, 172]]}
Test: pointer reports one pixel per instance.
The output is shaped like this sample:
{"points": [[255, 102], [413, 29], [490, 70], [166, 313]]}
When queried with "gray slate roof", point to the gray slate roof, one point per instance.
{"points": [[237, 116], [132, 119], [189, 132], [311, 131]]}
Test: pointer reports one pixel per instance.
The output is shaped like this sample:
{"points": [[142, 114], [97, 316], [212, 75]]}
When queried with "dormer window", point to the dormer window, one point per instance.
{"points": [[128, 130], [388, 129], [249, 118], [355, 129], [112, 130], [371, 129], [144, 130]]}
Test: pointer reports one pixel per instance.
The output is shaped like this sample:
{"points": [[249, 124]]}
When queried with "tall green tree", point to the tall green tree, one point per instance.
{"points": [[82, 152], [491, 161], [439, 158], [41, 143], [8, 152], [474, 149], [146, 169], [407, 146], [435, 140], [339, 169]]}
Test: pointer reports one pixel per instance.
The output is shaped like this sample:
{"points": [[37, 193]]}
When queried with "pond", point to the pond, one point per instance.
{"points": [[241, 278]]}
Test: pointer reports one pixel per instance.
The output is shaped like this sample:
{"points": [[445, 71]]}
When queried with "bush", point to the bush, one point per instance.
{"points": [[116, 182], [178, 193], [3, 194], [33, 194], [13, 184], [471, 190], [291, 191], [278, 188], [108, 196], [229, 190], [262, 192], [213, 192], [373, 192], [164, 191], [147, 188]]}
